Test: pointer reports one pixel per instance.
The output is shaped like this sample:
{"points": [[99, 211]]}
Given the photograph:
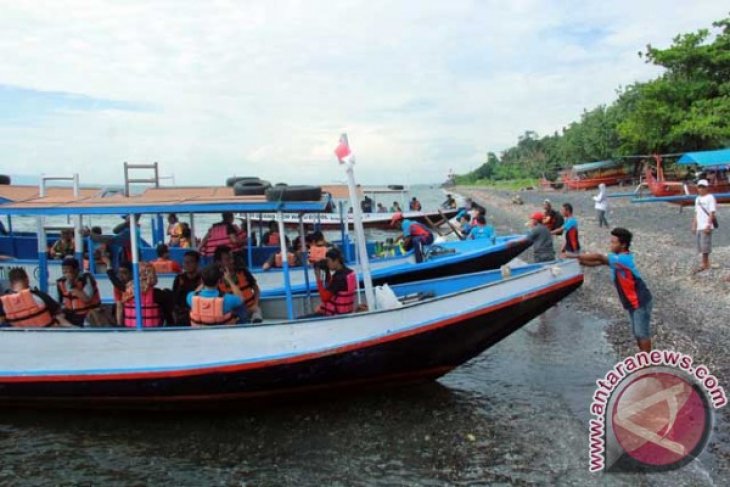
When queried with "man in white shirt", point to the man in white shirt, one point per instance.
{"points": [[703, 222]]}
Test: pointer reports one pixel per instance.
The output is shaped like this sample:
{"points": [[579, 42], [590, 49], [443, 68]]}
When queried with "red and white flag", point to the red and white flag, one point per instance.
{"points": [[343, 152]]}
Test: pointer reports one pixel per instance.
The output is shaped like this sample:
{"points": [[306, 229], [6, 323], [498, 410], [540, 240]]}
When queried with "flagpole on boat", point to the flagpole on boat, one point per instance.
{"points": [[345, 157], [135, 270]]}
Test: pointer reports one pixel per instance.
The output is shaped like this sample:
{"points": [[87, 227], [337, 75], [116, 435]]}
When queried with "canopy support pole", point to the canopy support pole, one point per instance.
{"points": [[285, 265], [305, 261], [135, 270], [249, 242]]}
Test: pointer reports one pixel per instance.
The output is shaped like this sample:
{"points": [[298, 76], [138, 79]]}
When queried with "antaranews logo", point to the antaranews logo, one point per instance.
{"points": [[653, 411]]}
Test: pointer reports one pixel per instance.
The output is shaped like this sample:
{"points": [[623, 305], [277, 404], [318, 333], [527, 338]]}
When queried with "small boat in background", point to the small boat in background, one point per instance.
{"points": [[592, 174], [714, 165]]}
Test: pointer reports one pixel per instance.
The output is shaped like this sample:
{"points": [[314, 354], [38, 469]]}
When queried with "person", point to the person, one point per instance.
{"points": [[570, 228], [101, 251], [703, 222], [77, 292], [481, 230], [245, 283], [64, 246], [464, 220], [174, 230], [211, 306], [163, 264], [120, 242], [22, 306], [293, 257], [632, 291], [553, 219], [186, 236], [601, 205], [154, 302], [415, 235], [186, 282], [395, 208], [336, 285], [542, 241], [414, 204], [225, 232], [317, 247], [272, 238], [449, 204], [381, 208], [119, 280], [366, 205]]}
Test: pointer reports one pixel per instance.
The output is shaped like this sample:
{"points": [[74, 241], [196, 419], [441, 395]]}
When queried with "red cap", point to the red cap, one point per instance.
{"points": [[396, 218], [537, 216]]}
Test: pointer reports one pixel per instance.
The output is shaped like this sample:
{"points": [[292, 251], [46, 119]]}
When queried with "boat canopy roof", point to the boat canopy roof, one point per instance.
{"points": [[708, 158], [200, 199], [341, 191], [27, 192], [594, 166]]}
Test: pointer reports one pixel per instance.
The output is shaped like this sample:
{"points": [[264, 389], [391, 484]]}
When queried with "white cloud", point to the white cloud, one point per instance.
{"points": [[265, 88]]}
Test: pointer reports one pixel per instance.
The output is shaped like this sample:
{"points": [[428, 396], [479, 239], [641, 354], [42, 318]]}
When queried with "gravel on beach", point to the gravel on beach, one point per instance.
{"points": [[691, 311]]}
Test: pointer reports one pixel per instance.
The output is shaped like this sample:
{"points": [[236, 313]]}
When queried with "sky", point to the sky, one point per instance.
{"points": [[264, 88]]}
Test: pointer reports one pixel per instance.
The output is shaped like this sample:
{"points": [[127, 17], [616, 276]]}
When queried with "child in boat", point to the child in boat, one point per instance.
{"points": [[211, 306], [26, 307], [632, 291], [245, 283], [64, 246], [571, 244], [163, 264], [186, 282], [337, 286]]}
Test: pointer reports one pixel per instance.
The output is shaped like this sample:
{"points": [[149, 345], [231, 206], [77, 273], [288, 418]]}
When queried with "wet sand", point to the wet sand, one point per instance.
{"points": [[691, 311]]}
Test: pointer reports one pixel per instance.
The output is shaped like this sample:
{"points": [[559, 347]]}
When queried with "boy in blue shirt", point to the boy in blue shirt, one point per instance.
{"points": [[571, 245], [632, 291], [481, 230], [210, 296]]}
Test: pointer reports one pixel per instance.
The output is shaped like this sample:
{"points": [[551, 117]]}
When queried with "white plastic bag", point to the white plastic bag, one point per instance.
{"points": [[385, 298]]}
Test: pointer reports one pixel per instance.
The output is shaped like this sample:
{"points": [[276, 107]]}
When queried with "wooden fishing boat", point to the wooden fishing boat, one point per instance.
{"points": [[714, 165], [444, 323], [590, 175]]}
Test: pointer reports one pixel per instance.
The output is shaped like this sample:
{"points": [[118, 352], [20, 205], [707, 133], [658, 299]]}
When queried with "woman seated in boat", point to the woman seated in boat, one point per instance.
{"points": [[272, 238], [25, 307], [481, 230], [337, 285], [210, 305], [77, 292], [155, 303], [64, 246], [275, 260], [245, 283], [163, 264]]}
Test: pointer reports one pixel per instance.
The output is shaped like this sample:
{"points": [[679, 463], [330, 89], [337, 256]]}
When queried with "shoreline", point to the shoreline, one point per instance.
{"points": [[691, 312]]}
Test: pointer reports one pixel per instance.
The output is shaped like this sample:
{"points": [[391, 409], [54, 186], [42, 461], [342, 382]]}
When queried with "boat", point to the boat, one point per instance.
{"points": [[590, 175], [437, 325], [714, 164], [20, 249], [547, 185]]}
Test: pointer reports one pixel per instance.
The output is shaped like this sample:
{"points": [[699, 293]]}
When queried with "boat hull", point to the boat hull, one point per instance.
{"points": [[591, 183], [410, 354], [661, 188]]}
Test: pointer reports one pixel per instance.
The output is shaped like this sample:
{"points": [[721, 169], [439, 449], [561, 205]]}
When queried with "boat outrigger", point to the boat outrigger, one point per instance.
{"points": [[714, 164], [436, 326]]}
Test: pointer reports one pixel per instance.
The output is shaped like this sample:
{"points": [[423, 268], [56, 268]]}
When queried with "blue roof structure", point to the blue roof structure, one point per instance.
{"points": [[708, 158]]}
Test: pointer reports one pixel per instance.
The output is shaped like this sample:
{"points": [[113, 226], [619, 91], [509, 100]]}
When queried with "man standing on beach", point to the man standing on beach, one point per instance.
{"points": [[542, 241], [571, 245], [633, 293], [704, 222]]}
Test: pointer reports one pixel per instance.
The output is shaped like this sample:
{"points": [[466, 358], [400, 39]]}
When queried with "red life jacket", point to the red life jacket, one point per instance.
{"points": [[73, 304], [248, 291], [151, 312], [241, 237], [418, 230], [274, 240], [209, 311], [343, 302], [21, 309], [217, 236]]}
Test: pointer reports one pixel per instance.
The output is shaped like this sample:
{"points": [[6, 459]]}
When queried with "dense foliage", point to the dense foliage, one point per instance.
{"points": [[687, 108]]}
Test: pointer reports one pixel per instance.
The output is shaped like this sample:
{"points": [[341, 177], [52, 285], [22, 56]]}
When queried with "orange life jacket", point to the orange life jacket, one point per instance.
{"points": [[209, 311], [151, 312], [165, 266], [247, 289], [73, 304], [290, 258], [317, 253], [21, 309], [343, 302]]}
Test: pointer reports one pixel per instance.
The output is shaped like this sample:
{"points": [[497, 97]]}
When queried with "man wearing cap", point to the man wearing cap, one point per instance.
{"points": [[704, 222], [542, 240], [414, 236]]}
